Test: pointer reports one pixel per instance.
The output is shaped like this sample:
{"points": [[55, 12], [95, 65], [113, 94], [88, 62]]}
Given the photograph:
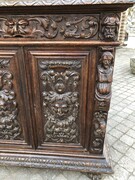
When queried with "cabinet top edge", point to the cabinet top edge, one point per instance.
{"points": [[60, 2]]}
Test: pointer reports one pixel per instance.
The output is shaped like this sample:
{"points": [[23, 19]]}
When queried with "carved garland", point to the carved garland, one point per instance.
{"points": [[49, 27], [9, 126], [102, 99], [60, 100]]}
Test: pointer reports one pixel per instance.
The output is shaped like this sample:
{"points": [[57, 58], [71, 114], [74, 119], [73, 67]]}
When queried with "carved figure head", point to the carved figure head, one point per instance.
{"points": [[60, 86], [106, 59], [110, 26]]}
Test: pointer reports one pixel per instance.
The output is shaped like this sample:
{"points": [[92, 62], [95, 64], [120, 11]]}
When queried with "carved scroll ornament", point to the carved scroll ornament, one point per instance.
{"points": [[109, 27], [9, 125], [49, 27], [60, 100]]}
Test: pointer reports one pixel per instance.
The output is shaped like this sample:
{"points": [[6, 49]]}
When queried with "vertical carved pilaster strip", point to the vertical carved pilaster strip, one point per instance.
{"points": [[102, 98], [9, 125]]}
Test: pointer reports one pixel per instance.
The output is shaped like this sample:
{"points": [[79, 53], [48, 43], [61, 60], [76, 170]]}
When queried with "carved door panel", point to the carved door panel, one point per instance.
{"points": [[13, 120], [59, 83]]}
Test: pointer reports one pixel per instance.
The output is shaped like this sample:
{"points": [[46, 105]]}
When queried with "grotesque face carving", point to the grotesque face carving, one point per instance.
{"points": [[60, 108], [110, 27], [15, 28]]}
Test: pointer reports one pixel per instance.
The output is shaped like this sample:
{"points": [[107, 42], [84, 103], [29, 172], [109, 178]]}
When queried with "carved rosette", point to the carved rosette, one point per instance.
{"points": [[102, 98], [109, 27], [9, 125], [60, 81], [49, 27]]}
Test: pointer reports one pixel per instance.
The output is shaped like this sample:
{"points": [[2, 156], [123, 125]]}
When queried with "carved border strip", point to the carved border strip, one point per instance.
{"points": [[59, 2], [29, 161]]}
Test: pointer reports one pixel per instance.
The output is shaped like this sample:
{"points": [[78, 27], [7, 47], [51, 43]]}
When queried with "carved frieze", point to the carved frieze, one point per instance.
{"points": [[49, 27], [109, 27], [60, 80], [9, 125]]}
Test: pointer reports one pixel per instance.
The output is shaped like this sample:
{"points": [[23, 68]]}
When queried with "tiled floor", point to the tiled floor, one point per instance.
{"points": [[120, 131]]}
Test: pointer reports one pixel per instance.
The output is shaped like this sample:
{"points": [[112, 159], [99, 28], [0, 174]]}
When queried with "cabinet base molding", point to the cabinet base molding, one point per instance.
{"points": [[93, 165]]}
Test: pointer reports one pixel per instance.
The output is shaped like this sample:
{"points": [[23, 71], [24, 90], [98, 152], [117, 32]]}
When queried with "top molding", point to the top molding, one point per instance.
{"points": [[59, 2]]}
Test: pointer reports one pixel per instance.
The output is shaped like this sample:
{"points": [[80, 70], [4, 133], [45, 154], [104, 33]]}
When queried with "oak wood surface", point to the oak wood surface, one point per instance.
{"points": [[56, 68]]}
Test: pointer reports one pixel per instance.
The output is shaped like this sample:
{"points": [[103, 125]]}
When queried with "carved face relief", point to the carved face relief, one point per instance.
{"points": [[60, 87], [60, 108], [17, 27], [107, 59], [110, 26], [109, 32]]}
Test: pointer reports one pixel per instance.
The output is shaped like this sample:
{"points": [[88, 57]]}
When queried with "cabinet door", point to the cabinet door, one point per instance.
{"points": [[14, 120], [59, 82]]}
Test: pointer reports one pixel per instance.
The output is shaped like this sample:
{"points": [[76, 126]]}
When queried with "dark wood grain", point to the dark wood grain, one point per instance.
{"points": [[56, 69]]}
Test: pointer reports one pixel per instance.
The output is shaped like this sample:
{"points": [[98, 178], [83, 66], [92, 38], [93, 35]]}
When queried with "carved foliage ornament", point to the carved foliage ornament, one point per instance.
{"points": [[9, 126], [99, 129], [49, 27], [109, 27], [60, 100]]}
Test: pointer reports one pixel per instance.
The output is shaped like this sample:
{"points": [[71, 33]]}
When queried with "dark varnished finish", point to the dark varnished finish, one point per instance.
{"points": [[55, 85]]}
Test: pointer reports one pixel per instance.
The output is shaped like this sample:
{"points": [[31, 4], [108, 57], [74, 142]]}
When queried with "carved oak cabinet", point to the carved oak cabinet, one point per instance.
{"points": [[56, 67]]}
